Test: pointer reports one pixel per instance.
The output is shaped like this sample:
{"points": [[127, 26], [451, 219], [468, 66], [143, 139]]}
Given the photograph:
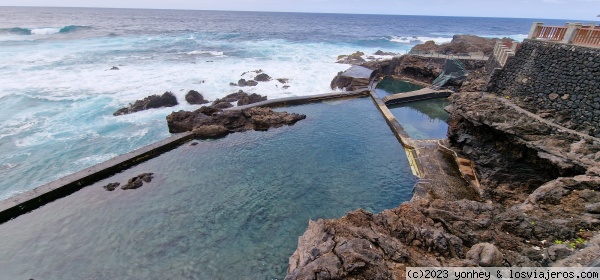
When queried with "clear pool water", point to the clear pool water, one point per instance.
{"points": [[423, 119], [389, 86], [231, 208]]}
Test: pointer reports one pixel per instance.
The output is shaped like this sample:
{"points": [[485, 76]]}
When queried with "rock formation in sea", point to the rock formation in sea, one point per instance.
{"points": [[460, 45], [150, 102], [241, 97], [195, 98], [213, 122]]}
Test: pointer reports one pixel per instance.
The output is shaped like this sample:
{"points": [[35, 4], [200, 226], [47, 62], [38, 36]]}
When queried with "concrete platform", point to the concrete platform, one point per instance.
{"points": [[422, 94]]}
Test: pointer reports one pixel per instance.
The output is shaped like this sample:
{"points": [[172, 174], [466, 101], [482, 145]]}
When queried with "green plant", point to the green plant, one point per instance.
{"points": [[558, 242]]}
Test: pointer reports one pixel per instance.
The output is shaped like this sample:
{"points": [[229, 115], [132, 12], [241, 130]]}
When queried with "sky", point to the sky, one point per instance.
{"points": [[581, 10]]}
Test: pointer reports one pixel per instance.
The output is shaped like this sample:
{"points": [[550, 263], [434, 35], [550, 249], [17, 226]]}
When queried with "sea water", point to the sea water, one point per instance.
{"points": [[58, 94], [231, 208]]}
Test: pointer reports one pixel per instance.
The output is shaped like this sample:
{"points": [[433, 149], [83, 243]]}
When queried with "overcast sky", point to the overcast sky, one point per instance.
{"points": [[583, 10]]}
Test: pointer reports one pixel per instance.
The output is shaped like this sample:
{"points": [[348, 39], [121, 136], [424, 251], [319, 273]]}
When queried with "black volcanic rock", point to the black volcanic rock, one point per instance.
{"points": [[111, 187], [195, 98], [262, 77], [208, 123], [138, 181], [150, 102], [249, 99]]}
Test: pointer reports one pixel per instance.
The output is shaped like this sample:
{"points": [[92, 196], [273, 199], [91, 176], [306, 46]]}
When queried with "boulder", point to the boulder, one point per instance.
{"points": [[262, 77], [138, 181], [354, 59], [485, 254], [168, 99], [242, 83], [249, 99], [195, 98], [111, 187], [283, 80], [251, 83]]}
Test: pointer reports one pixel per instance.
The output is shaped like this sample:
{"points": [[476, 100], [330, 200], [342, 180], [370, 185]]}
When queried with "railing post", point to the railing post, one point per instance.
{"points": [[534, 28], [571, 32]]}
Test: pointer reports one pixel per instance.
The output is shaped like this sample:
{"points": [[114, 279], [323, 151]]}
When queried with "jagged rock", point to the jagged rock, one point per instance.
{"points": [[485, 254], [251, 83], [263, 77], [380, 52], [593, 208], [341, 82], [559, 251], [242, 83], [153, 101], [195, 98], [219, 123], [111, 187], [222, 105], [249, 99], [460, 45], [354, 59], [283, 80]]}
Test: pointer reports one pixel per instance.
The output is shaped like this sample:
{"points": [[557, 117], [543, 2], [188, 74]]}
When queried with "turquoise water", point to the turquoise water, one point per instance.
{"points": [[231, 208], [423, 119], [389, 86]]}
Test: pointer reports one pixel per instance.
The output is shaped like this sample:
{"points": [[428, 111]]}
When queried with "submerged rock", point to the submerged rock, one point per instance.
{"points": [[138, 181], [111, 187], [195, 98], [168, 99], [262, 77]]}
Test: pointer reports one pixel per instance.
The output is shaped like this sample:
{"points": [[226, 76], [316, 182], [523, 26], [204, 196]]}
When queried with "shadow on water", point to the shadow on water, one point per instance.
{"points": [[423, 119], [231, 208], [389, 86]]}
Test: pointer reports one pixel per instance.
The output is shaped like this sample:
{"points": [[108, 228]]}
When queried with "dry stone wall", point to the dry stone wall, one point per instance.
{"points": [[557, 81]]}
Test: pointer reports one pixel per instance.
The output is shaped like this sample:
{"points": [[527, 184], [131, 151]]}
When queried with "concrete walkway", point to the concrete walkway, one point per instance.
{"points": [[422, 94], [440, 55]]}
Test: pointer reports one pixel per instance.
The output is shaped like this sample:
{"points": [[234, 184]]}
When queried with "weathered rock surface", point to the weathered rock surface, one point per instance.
{"points": [[537, 182], [195, 98], [354, 59], [460, 45], [111, 186], [262, 77], [211, 122], [150, 102]]}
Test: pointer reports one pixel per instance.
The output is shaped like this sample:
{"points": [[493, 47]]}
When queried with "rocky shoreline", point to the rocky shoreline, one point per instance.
{"points": [[538, 202]]}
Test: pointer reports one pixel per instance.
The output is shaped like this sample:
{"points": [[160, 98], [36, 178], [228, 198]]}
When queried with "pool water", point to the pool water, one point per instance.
{"points": [[231, 208], [423, 119], [389, 86]]}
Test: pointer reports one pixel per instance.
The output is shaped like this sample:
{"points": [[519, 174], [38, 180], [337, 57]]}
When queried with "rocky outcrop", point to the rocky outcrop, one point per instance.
{"points": [[168, 99], [195, 98], [460, 45], [241, 97], [133, 183], [540, 185], [354, 59], [212, 122]]}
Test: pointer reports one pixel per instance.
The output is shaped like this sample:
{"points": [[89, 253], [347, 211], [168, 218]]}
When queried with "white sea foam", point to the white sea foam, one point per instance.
{"points": [[213, 53], [92, 160], [45, 31], [419, 39]]}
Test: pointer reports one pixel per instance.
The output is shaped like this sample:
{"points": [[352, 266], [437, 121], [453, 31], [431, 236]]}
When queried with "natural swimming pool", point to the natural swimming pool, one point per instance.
{"points": [[424, 119], [231, 208]]}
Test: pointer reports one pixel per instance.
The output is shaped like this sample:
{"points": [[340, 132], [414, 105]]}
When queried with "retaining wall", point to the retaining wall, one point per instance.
{"points": [[557, 81]]}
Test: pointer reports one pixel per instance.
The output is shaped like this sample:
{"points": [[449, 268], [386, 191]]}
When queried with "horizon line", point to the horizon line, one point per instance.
{"points": [[294, 12]]}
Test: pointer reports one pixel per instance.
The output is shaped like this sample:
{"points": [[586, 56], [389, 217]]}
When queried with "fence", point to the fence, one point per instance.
{"points": [[571, 33]]}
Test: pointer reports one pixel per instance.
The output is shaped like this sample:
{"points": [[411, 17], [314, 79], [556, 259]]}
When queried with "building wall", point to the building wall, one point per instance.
{"points": [[557, 81]]}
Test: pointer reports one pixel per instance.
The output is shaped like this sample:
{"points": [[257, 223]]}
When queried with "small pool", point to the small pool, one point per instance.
{"points": [[423, 119], [389, 86], [231, 208]]}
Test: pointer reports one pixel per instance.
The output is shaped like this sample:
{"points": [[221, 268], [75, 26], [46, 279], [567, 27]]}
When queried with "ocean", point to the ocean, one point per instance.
{"points": [[58, 94]]}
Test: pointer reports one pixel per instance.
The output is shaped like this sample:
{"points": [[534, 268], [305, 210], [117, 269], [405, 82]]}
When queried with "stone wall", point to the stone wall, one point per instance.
{"points": [[558, 82]]}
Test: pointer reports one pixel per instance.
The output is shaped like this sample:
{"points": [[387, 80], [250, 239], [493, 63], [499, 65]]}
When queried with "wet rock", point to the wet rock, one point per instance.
{"points": [[168, 99], [242, 83], [341, 82], [111, 187], [283, 80], [485, 254], [210, 131], [262, 77], [114, 68], [249, 99], [460, 45], [251, 83], [195, 98], [222, 105], [380, 52], [138, 181], [354, 59]]}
